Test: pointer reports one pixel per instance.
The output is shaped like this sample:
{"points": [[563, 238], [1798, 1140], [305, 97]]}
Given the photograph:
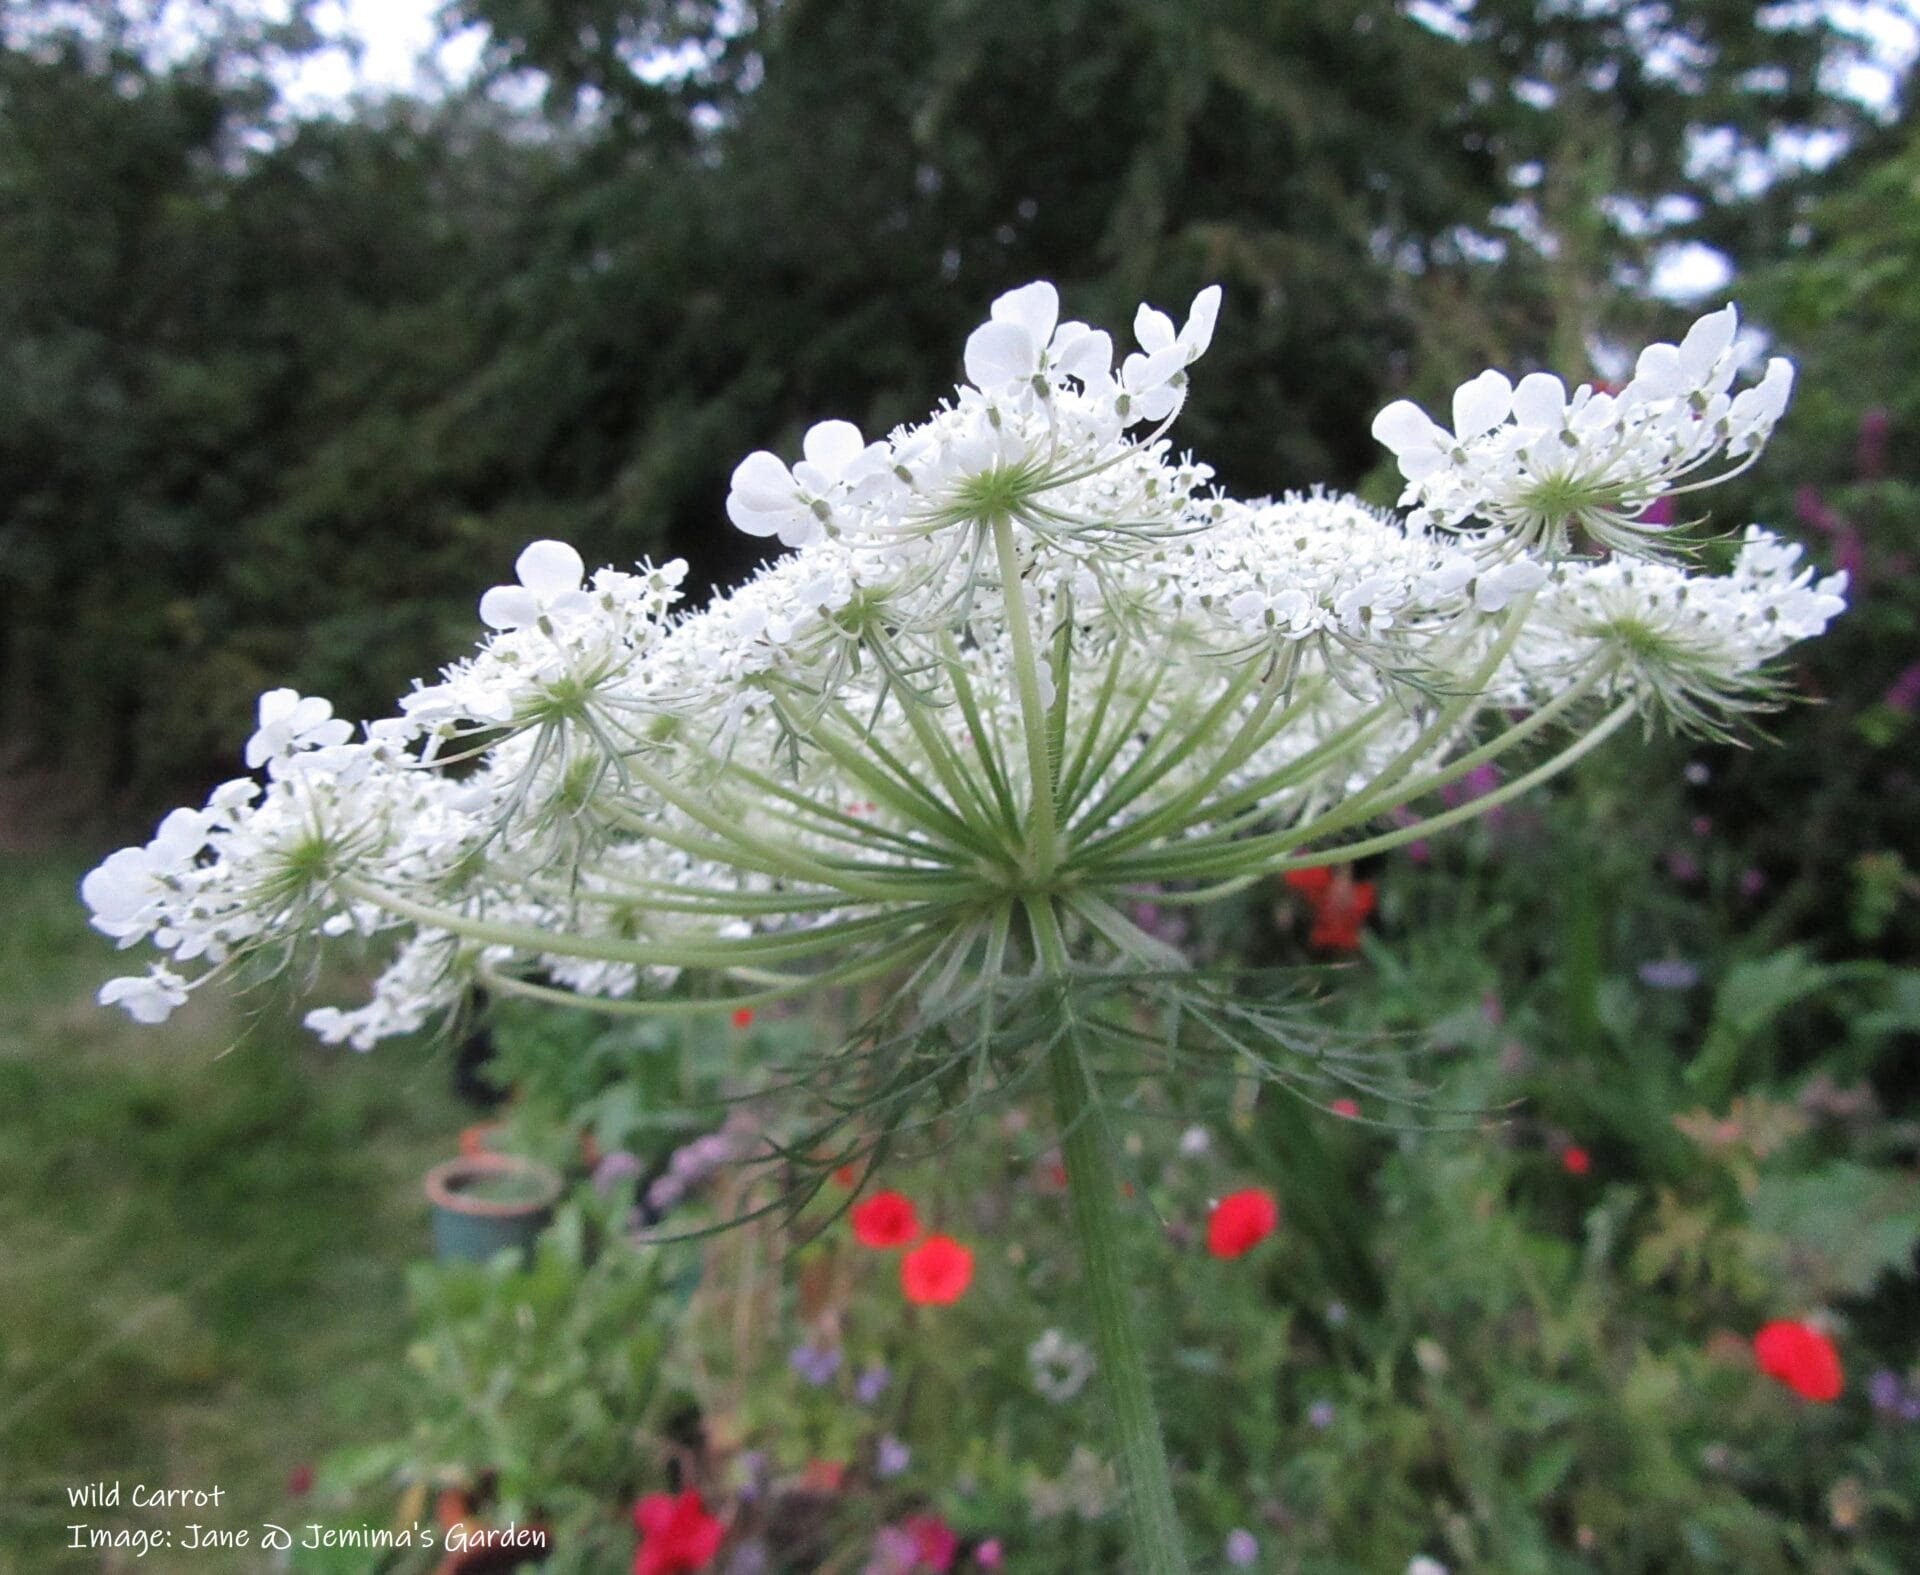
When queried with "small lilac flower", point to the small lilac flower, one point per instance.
{"points": [[1163, 924], [1195, 1141], [990, 1555], [1702, 825], [1418, 851], [816, 1364], [1320, 1414], [1870, 457], [891, 1457], [664, 1192], [1337, 1314], [895, 1552], [1698, 774], [1752, 882], [751, 1558], [872, 1382], [1682, 865], [1903, 694], [750, 1467], [1242, 1548], [613, 1169], [1477, 783], [1669, 973], [1883, 1390]]}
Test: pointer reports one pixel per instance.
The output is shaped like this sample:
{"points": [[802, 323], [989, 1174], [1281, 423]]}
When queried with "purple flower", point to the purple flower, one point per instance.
{"points": [[1242, 1548], [895, 1552], [1320, 1414], [1163, 924], [1682, 865], [890, 1457], [1477, 783], [750, 1558], [1903, 694], [815, 1363], [750, 1468], [1870, 457], [614, 1169], [664, 1192], [1669, 973], [1752, 882], [1892, 1396], [872, 1382]]}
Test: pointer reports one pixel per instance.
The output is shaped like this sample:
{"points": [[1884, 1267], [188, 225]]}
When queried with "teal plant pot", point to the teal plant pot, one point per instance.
{"points": [[484, 1202]]}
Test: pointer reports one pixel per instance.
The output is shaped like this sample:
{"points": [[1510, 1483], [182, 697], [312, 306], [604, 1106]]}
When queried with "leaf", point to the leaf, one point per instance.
{"points": [[1840, 1227], [1754, 994]]}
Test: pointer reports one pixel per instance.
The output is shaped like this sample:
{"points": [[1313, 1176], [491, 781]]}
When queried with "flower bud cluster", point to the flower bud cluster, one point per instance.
{"points": [[1527, 464]]}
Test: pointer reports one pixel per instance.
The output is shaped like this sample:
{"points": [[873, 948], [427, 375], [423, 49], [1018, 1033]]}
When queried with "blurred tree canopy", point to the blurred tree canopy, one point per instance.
{"points": [[279, 396]]}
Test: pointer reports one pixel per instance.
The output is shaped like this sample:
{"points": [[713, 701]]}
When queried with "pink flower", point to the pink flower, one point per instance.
{"points": [[933, 1541]]}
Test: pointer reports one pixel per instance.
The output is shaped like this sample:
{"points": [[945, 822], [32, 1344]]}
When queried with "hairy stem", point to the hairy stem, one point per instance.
{"points": [[1093, 1186]]}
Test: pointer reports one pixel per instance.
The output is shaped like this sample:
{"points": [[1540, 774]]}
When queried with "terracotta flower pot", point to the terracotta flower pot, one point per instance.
{"points": [[484, 1202]]}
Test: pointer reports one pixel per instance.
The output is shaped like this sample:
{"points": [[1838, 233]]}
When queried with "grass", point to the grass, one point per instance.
{"points": [[203, 1234]]}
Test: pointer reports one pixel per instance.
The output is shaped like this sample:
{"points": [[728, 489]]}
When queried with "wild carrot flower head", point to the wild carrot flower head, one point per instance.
{"points": [[1020, 667]]}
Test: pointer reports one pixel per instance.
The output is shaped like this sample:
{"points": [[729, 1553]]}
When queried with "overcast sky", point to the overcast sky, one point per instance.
{"points": [[395, 37]]}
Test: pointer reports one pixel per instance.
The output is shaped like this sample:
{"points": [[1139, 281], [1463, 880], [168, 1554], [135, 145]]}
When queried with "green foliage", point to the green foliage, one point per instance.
{"points": [[533, 1384]]}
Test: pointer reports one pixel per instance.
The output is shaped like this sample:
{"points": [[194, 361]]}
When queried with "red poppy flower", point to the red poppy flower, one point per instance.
{"points": [[1310, 883], [677, 1535], [885, 1220], [742, 1016], [1575, 1160], [936, 1271], [1801, 1357], [934, 1543], [1240, 1221], [1345, 1107], [1338, 915]]}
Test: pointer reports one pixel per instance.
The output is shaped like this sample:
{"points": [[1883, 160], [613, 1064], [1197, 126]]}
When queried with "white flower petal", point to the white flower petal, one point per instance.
{"points": [[549, 569], [1404, 428], [1000, 353], [506, 607], [1482, 404], [1201, 317], [833, 446], [1540, 400], [1152, 329], [1034, 307]]}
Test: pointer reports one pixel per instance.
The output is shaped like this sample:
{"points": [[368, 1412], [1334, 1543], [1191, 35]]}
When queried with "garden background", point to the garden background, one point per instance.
{"points": [[285, 383]]}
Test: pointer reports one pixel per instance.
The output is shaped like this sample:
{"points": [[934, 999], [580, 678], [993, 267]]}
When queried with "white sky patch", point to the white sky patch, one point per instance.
{"points": [[378, 47]]}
